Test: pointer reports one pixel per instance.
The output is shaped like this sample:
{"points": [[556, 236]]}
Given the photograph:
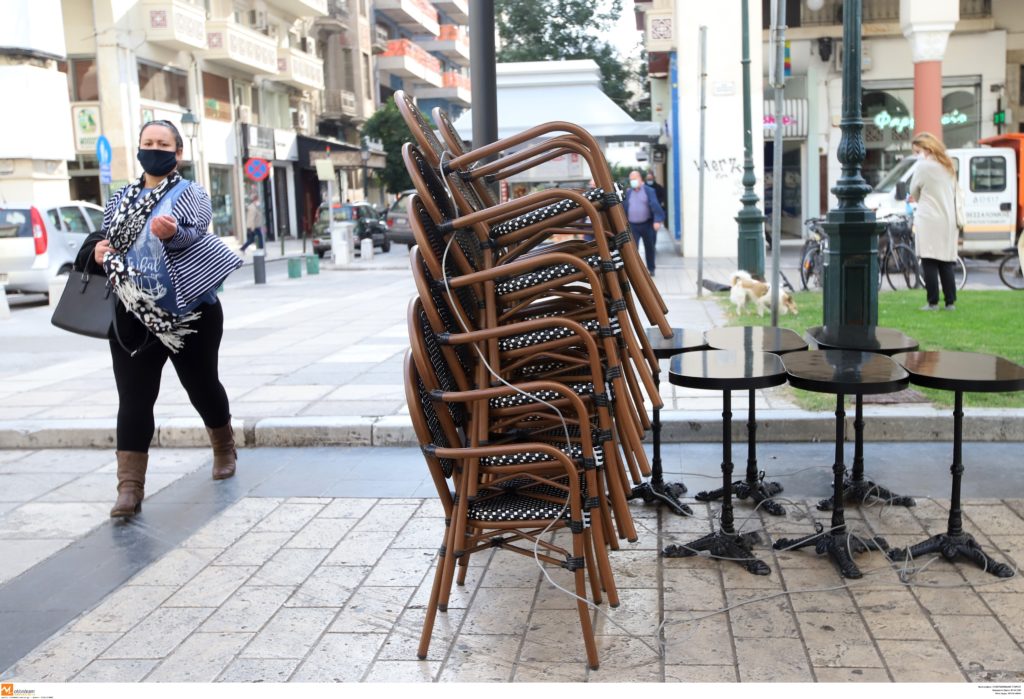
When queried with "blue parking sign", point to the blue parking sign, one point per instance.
{"points": [[103, 152]]}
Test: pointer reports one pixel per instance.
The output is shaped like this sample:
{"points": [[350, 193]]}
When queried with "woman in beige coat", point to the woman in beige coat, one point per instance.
{"points": [[934, 189]]}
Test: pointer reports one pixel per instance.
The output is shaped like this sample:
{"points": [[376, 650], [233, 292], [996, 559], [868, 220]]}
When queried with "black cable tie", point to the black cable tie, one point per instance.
{"points": [[428, 449], [612, 373], [444, 338], [592, 503], [589, 464], [497, 541], [575, 526], [610, 199], [608, 267], [605, 331], [623, 238], [601, 400], [601, 436], [437, 394], [441, 551], [573, 564], [445, 227], [617, 306]]}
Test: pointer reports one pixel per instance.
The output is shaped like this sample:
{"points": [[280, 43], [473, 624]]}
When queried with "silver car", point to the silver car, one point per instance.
{"points": [[38, 242]]}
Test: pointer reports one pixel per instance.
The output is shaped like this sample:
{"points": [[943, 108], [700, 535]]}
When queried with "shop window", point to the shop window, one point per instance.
{"points": [[161, 84], [216, 97], [988, 174], [222, 200]]}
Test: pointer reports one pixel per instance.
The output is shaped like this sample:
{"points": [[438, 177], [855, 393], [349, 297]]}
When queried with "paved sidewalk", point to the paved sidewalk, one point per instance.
{"points": [[290, 579], [317, 360]]}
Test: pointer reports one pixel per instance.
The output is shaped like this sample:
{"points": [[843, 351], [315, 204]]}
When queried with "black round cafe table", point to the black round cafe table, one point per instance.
{"points": [[841, 372], [725, 371], [959, 372], [864, 338], [753, 339], [656, 491]]}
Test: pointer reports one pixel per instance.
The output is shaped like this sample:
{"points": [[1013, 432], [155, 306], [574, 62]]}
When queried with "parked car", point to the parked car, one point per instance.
{"points": [[39, 242], [399, 229], [368, 225]]}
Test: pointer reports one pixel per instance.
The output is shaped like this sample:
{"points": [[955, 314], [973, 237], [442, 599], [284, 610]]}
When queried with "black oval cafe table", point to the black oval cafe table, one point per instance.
{"points": [[725, 371], [656, 491], [863, 338], [841, 372], [959, 372], [753, 339]]}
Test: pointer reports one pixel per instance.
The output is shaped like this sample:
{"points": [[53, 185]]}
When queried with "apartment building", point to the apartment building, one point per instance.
{"points": [[425, 52], [965, 53]]}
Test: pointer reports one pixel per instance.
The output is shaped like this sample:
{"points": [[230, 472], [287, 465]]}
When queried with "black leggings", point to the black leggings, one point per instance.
{"points": [[935, 271], [138, 377]]}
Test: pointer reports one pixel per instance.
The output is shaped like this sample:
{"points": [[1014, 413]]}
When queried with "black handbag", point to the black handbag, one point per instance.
{"points": [[86, 307]]}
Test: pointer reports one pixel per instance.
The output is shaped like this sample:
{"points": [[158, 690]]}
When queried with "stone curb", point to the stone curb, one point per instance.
{"points": [[882, 424]]}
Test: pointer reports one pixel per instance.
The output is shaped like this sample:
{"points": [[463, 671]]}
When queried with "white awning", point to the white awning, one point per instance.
{"points": [[537, 92], [794, 119]]}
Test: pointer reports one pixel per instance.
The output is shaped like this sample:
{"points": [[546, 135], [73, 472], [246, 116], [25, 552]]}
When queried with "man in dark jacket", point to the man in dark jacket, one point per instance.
{"points": [[660, 191], [645, 215]]}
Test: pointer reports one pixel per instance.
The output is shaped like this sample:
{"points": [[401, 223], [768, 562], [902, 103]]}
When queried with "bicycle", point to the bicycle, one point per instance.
{"points": [[897, 260], [1010, 270], [812, 255]]}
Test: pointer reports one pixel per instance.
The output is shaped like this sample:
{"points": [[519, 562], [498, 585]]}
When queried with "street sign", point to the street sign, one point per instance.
{"points": [[103, 152], [324, 170], [257, 169], [105, 173]]}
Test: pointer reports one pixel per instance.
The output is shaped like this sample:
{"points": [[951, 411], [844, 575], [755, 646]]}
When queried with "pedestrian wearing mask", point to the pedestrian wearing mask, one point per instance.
{"points": [[659, 191], [253, 224], [933, 187], [645, 215], [164, 266]]}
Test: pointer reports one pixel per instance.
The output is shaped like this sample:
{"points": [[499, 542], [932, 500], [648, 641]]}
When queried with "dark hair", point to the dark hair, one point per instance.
{"points": [[178, 142]]}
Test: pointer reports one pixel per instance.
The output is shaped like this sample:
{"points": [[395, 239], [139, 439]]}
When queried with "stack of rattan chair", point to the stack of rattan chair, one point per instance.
{"points": [[529, 366]]}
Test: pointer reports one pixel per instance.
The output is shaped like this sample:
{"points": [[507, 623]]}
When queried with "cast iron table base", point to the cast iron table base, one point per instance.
{"points": [[839, 544], [955, 542]]}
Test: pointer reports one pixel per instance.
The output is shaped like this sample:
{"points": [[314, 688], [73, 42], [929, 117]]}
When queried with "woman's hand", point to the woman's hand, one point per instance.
{"points": [[102, 248], [164, 227]]}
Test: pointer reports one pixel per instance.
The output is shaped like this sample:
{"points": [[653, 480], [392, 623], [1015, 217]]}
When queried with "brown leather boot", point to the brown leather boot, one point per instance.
{"points": [[131, 483], [222, 439]]}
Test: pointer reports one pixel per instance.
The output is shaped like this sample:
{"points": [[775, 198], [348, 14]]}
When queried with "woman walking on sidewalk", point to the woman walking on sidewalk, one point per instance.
{"points": [[164, 266], [933, 187]]}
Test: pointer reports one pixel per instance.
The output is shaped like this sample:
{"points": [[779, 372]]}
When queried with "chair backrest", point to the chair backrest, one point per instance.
{"points": [[418, 125], [429, 432]]}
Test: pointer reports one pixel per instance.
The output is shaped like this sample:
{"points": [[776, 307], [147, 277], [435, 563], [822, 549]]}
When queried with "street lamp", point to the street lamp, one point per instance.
{"points": [[364, 153], [751, 222], [189, 128]]}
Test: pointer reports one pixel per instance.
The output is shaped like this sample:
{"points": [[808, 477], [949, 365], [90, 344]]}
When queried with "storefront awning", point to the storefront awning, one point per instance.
{"points": [[794, 119]]}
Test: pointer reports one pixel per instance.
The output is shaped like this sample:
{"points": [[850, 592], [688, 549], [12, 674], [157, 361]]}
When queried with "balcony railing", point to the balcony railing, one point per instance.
{"points": [[300, 69], [175, 23], [339, 103], [406, 59], [880, 12], [418, 16], [455, 87], [380, 39], [240, 47], [452, 41]]}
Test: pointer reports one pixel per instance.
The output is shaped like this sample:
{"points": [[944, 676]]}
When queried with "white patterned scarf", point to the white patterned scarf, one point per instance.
{"points": [[129, 221]]}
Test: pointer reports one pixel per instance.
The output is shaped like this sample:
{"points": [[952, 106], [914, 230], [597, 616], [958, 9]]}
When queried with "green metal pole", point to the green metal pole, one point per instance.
{"points": [[851, 266], [750, 247]]}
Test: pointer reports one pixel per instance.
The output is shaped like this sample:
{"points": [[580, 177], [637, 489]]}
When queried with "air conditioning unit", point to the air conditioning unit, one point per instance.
{"points": [[258, 19], [303, 119], [244, 114]]}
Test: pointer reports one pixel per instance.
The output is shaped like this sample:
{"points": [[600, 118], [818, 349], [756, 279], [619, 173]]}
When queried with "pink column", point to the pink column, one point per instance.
{"points": [[928, 97]]}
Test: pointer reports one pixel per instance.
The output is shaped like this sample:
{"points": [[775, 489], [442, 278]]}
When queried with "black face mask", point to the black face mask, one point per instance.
{"points": [[157, 162]]}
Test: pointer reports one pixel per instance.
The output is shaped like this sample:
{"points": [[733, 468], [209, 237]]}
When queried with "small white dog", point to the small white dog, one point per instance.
{"points": [[746, 288]]}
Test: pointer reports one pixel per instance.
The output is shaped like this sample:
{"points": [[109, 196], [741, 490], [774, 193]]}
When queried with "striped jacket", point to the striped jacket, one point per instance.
{"points": [[197, 260]]}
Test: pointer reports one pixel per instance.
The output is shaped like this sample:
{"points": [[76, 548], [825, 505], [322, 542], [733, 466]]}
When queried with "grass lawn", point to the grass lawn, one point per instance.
{"points": [[984, 321]]}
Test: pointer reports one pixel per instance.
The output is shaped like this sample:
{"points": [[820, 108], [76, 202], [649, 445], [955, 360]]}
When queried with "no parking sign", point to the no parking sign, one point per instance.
{"points": [[257, 169]]}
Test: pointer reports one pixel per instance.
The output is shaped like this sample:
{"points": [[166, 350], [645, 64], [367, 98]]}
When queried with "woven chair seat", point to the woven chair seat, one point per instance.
{"points": [[538, 337], [573, 451], [519, 504], [542, 214], [517, 399], [542, 276]]}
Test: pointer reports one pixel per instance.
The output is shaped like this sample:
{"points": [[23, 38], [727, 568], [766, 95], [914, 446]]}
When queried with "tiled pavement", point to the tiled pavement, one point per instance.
{"points": [[333, 589]]}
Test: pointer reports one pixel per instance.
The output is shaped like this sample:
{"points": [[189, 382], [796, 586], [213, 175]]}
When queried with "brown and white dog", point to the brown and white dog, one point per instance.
{"points": [[746, 288]]}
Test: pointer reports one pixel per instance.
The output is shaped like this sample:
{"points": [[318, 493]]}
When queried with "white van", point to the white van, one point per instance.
{"points": [[988, 179]]}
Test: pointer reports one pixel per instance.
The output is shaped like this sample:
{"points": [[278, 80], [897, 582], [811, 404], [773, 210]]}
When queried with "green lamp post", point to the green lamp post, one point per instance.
{"points": [[851, 266], [750, 252]]}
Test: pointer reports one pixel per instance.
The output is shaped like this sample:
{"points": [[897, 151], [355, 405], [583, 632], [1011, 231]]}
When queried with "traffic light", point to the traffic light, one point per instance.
{"points": [[999, 118]]}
